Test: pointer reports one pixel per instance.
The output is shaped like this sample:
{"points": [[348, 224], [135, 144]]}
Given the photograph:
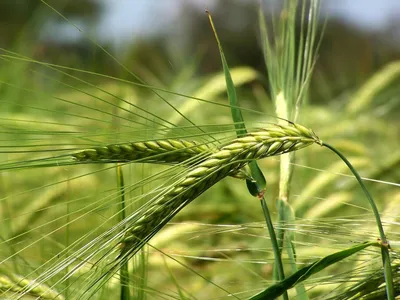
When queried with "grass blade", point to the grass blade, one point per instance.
{"points": [[230, 88], [278, 289]]}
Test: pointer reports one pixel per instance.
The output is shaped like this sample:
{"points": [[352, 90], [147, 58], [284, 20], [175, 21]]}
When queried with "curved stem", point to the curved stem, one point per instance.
{"points": [[384, 243], [369, 197]]}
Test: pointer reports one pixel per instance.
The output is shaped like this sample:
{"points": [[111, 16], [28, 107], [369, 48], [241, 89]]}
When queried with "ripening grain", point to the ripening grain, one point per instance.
{"points": [[273, 140]]}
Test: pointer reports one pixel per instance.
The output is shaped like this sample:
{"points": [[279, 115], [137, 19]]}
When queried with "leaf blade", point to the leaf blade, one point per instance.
{"points": [[278, 289]]}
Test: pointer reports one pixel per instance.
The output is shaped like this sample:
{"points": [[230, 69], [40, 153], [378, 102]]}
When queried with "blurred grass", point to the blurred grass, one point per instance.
{"points": [[221, 234]]}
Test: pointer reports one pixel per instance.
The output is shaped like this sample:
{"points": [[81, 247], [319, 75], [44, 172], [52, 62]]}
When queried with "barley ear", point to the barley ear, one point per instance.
{"points": [[169, 151], [18, 285], [231, 157], [158, 151]]}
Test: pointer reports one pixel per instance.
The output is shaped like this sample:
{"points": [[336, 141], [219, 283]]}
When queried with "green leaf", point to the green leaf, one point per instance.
{"points": [[230, 88], [278, 289], [237, 113]]}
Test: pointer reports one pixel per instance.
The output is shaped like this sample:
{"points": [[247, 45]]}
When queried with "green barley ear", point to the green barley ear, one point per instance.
{"points": [[14, 284], [270, 141], [169, 151], [129, 236], [158, 151]]}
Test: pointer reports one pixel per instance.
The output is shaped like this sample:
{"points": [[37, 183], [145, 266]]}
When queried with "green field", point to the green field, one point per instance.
{"points": [[101, 153]]}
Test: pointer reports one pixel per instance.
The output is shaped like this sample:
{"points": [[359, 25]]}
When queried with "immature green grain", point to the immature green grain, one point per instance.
{"points": [[19, 285], [273, 140], [157, 151]]}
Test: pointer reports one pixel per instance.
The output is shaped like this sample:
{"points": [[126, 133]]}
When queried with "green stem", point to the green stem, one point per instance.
{"points": [[387, 269], [274, 242], [67, 242], [124, 272], [280, 232]]}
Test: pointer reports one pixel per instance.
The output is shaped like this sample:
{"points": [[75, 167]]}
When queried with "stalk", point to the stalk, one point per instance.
{"points": [[124, 273], [255, 190], [387, 269], [277, 252]]}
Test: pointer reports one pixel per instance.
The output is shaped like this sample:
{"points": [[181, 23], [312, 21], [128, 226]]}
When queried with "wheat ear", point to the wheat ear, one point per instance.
{"points": [[158, 151], [273, 140]]}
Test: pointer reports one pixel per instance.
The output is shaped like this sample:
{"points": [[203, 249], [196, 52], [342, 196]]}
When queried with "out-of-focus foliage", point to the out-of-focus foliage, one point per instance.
{"points": [[347, 56], [29, 17], [43, 110]]}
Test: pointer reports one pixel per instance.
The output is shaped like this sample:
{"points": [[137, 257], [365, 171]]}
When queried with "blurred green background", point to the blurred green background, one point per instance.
{"points": [[353, 103], [162, 38]]}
